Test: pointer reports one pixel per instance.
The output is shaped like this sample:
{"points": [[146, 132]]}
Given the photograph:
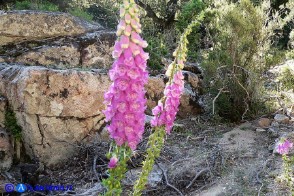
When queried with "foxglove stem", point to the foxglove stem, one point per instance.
{"points": [[117, 173], [165, 112], [287, 173], [155, 144]]}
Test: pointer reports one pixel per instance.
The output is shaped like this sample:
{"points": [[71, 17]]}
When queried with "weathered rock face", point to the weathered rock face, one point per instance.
{"points": [[17, 26], [92, 50], [58, 108], [190, 103], [53, 72], [55, 108]]}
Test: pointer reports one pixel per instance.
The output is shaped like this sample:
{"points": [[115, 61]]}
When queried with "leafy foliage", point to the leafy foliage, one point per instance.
{"points": [[243, 35], [81, 14], [156, 49], [36, 5], [287, 79], [11, 123]]}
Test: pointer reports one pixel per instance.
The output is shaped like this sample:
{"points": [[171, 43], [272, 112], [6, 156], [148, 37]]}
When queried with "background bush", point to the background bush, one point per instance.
{"points": [[236, 42], [242, 40]]}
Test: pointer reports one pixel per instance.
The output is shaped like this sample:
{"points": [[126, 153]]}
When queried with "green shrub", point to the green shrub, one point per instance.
{"points": [[275, 57], [286, 79], [157, 49], [36, 5], [81, 14], [242, 34], [23, 5], [47, 6], [189, 12], [11, 123], [105, 14]]}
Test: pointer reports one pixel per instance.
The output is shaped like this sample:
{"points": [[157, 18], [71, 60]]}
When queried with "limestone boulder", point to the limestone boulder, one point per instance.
{"points": [[50, 92], [57, 109], [280, 118], [190, 103], [264, 122], [87, 51], [24, 25]]}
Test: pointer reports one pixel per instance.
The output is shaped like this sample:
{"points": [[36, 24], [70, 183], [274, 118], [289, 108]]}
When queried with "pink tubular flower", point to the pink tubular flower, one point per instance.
{"points": [[284, 147], [166, 114], [125, 98], [112, 162]]}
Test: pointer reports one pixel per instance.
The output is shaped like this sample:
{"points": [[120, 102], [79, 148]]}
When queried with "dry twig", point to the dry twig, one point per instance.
{"points": [[205, 170], [166, 180], [213, 102], [258, 173], [94, 168]]}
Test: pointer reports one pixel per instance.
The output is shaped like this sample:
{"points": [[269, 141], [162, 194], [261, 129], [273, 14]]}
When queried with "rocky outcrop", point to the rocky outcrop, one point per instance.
{"points": [[92, 50], [190, 103], [53, 72], [18, 26], [59, 108], [55, 108]]}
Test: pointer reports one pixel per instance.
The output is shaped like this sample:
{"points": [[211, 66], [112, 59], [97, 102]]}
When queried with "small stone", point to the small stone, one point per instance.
{"points": [[260, 130], [290, 111], [246, 125], [148, 119], [273, 132], [275, 124], [271, 147], [154, 178], [178, 127], [104, 135], [281, 118], [194, 119], [264, 122]]}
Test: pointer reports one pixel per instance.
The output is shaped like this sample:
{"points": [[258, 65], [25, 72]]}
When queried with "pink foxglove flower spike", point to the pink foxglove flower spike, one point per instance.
{"points": [[125, 99]]}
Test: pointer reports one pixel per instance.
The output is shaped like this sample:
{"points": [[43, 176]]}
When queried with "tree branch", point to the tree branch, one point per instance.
{"points": [[170, 12], [150, 12]]}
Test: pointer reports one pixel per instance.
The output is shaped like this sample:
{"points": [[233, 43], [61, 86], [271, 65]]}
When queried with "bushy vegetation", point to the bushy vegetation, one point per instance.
{"points": [[36, 5], [286, 79], [81, 14], [243, 34], [11, 124], [235, 42]]}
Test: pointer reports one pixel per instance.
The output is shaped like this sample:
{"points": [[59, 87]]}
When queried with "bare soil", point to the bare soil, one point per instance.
{"points": [[199, 158]]}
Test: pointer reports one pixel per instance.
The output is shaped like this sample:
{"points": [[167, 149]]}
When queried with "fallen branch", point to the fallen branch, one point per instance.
{"points": [[258, 173], [213, 102], [94, 168], [178, 161], [205, 170], [166, 180]]}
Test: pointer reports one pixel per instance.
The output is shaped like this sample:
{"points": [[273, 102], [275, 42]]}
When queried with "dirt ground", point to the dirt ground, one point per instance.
{"points": [[199, 159]]}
